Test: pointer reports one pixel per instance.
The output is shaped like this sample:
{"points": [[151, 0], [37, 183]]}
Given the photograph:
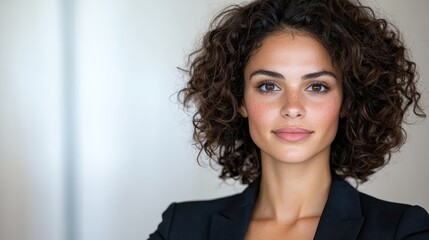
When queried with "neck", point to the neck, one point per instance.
{"points": [[292, 190]]}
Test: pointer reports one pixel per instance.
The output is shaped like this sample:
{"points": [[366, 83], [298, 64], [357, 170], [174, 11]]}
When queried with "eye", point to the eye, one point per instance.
{"points": [[268, 87], [317, 87]]}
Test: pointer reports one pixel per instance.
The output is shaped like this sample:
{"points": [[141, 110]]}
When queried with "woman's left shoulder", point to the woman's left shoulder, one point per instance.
{"points": [[410, 221]]}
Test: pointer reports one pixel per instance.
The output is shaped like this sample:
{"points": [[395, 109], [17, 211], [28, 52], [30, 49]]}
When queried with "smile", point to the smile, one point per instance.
{"points": [[293, 134]]}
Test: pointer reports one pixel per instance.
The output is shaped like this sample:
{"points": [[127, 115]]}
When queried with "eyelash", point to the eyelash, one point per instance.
{"points": [[324, 87], [265, 83]]}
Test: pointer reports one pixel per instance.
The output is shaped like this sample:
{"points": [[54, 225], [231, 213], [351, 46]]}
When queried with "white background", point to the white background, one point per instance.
{"points": [[95, 90]]}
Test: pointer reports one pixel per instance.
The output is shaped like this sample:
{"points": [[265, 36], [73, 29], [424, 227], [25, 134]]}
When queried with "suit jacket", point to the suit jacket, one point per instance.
{"points": [[348, 214]]}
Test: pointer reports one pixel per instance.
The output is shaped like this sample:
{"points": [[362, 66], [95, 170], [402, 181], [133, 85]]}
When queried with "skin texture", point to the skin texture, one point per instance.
{"points": [[292, 101], [273, 103]]}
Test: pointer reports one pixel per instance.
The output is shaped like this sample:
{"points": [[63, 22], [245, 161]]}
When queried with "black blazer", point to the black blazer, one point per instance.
{"points": [[348, 214]]}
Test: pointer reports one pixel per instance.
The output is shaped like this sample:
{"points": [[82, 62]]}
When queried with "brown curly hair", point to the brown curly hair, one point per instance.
{"points": [[379, 82]]}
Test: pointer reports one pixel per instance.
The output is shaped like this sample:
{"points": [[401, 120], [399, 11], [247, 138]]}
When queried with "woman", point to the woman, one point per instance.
{"points": [[293, 97]]}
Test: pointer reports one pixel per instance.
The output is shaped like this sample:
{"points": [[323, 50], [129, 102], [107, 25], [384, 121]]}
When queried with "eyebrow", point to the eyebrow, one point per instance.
{"points": [[305, 77]]}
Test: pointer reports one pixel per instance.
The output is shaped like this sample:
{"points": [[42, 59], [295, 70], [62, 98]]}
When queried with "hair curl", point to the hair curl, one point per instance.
{"points": [[379, 82]]}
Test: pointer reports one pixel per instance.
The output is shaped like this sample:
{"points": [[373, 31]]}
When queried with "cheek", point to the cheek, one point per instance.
{"points": [[256, 113], [260, 116], [329, 114]]}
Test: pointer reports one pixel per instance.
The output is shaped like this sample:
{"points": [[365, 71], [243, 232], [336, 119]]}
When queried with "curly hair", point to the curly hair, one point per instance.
{"points": [[379, 82]]}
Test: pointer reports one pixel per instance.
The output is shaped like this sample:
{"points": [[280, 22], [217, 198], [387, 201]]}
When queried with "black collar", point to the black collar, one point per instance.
{"points": [[341, 217]]}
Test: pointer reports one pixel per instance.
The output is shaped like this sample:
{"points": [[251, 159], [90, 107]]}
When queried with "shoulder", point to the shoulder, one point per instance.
{"points": [[190, 215], [212, 204], [198, 219], [405, 221], [201, 209]]}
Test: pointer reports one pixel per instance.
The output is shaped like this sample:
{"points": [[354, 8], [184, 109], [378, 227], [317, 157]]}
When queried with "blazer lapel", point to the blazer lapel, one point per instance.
{"points": [[232, 222], [342, 217]]}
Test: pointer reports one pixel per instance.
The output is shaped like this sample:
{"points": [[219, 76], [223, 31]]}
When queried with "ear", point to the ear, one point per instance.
{"points": [[243, 110]]}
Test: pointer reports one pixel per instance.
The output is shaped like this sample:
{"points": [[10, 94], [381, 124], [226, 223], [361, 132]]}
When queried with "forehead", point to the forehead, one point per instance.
{"points": [[290, 50]]}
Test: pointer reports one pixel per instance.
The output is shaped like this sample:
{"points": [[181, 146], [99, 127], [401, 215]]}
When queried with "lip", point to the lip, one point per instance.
{"points": [[293, 134]]}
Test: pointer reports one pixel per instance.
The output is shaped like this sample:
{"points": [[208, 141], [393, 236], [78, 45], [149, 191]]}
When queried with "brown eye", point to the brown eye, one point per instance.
{"points": [[317, 87], [268, 87]]}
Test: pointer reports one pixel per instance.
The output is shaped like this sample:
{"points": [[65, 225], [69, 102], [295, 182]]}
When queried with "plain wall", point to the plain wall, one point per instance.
{"points": [[31, 129], [132, 147], [136, 141]]}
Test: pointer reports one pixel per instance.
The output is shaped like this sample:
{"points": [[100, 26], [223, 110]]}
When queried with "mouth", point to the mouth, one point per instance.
{"points": [[293, 134]]}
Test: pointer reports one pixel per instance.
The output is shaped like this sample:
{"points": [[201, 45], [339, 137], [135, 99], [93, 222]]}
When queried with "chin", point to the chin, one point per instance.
{"points": [[291, 157]]}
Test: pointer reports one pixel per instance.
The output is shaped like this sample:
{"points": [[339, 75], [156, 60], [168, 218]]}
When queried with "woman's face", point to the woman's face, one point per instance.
{"points": [[292, 98]]}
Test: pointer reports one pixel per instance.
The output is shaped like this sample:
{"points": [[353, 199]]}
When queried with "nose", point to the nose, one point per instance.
{"points": [[292, 105]]}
